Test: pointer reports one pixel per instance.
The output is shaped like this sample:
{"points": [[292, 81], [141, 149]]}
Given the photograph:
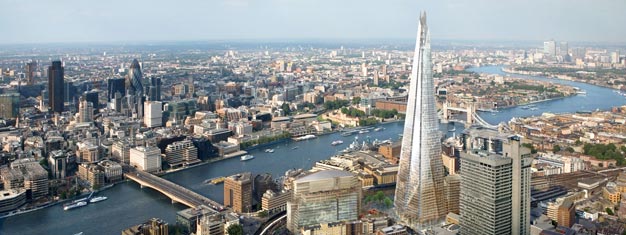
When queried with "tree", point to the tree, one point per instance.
{"points": [[569, 149], [286, 109], [609, 211], [356, 100], [235, 229], [388, 203], [556, 148], [531, 147]]}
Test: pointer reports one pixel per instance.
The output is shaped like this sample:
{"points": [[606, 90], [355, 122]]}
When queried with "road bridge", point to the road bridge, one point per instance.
{"points": [[174, 191]]}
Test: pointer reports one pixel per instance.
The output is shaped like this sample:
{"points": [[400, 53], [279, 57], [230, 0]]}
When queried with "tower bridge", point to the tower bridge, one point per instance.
{"points": [[467, 108]]}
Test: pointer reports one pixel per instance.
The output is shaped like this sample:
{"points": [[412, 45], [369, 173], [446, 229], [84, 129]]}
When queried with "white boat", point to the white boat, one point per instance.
{"points": [[379, 129], [97, 199], [306, 137], [74, 205], [336, 142], [363, 131], [246, 157], [452, 130], [269, 150], [295, 147], [533, 108]]}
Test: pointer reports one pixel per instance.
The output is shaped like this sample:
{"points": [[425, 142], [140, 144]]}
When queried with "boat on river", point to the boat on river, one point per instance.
{"points": [[336, 142], [246, 157], [98, 199], [74, 205]]}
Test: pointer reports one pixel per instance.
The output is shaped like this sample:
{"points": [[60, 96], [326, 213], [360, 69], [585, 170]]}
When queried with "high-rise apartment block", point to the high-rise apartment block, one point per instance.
{"points": [[238, 192], [495, 188], [419, 199]]}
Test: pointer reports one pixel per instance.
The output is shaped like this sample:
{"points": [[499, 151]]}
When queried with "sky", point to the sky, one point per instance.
{"points": [[46, 21]]}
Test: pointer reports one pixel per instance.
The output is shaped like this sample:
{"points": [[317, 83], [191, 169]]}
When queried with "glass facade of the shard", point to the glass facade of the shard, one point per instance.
{"points": [[419, 200]]}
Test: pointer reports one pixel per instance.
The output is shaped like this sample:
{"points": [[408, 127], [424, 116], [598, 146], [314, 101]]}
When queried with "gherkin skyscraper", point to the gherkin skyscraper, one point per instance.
{"points": [[419, 200]]}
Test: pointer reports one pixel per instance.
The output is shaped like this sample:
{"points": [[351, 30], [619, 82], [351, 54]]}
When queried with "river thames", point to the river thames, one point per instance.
{"points": [[128, 204]]}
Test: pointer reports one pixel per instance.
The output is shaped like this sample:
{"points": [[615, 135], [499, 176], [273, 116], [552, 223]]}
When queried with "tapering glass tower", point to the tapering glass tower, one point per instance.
{"points": [[134, 78], [419, 200]]}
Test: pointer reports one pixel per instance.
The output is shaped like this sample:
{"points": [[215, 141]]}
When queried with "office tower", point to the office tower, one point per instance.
{"points": [[115, 85], [238, 192], [549, 48], [146, 158], [181, 153], [563, 49], [92, 97], [9, 105], [30, 72], [55, 86], [154, 91], [58, 163], [153, 111], [134, 84], [384, 69], [26, 173], [495, 188], [85, 111], [452, 191], [323, 197], [419, 200]]}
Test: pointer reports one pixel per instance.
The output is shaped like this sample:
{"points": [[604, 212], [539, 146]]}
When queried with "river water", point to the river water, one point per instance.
{"points": [[128, 204]]}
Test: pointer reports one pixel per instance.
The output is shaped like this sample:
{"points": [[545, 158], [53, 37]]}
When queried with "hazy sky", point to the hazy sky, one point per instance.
{"points": [[36, 21]]}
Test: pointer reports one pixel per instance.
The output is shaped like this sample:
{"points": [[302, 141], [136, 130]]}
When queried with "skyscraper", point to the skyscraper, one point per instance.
{"points": [[30, 72], [55, 86], [154, 90], [499, 200], [92, 97], [419, 200], [115, 85], [134, 84], [549, 47], [134, 90], [85, 110]]}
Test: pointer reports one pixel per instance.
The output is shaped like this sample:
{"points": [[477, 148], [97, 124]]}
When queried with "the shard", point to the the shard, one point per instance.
{"points": [[419, 200]]}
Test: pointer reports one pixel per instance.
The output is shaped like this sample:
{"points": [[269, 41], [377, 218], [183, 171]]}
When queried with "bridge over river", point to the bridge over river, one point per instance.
{"points": [[174, 191]]}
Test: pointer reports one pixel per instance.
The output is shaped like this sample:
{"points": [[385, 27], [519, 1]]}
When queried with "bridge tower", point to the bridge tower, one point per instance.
{"points": [[471, 109]]}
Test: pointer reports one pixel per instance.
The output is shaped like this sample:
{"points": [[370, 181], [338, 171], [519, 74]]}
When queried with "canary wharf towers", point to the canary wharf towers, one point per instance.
{"points": [[419, 200]]}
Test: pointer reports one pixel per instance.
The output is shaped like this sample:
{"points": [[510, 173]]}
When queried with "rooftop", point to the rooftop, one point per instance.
{"points": [[327, 174]]}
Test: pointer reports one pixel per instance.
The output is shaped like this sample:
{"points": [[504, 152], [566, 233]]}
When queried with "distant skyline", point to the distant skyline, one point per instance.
{"points": [[39, 21]]}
